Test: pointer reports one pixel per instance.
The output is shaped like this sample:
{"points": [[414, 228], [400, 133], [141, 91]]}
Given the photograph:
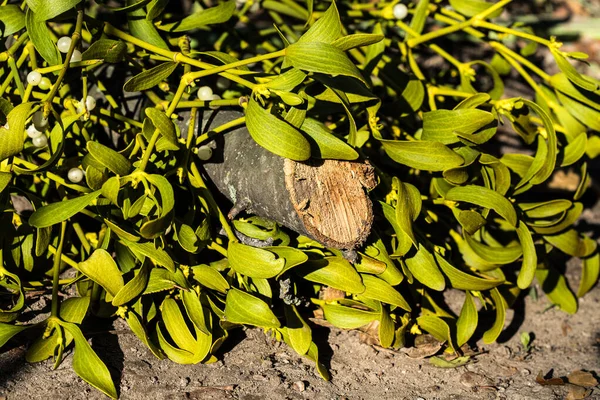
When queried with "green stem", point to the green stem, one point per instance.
{"points": [[524, 35], [222, 217], [156, 135], [177, 57], [219, 129], [527, 77], [56, 271], [505, 50], [477, 20], [74, 41]]}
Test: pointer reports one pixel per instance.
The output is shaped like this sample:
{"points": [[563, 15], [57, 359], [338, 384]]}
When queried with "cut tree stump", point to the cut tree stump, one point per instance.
{"points": [[326, 200]]}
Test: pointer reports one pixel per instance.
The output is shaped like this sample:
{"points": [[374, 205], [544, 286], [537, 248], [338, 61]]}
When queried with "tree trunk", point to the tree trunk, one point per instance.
{"points": [[326, 200]]}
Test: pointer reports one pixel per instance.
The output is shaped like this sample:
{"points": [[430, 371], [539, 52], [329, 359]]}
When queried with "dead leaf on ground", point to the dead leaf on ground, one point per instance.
{"points": [[577, 393], [425, 346], [548, 382], [582, 378]]}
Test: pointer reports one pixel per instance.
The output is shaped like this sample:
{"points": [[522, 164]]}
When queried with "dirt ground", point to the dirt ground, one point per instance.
{"points": [[253, 367], [258, 369]]}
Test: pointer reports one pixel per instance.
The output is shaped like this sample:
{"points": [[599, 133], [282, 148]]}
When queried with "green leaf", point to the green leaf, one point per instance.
{"points": [[194, 310], [135, 324], [424, 268], [500, 304], [11, 139], [570, 242], [253, 262], [298, 330], [321, 58], [326, 29], [589, 274], [274, 134], [102, 269], [574, 76], [467, 320], [176, 325], [47, 9], [158, 256], [57, 212], [5, 179], [149, 78], [441, 125], [142, 28], [156, 227], [203, 17], [545, 209], [162, 279], [484, 197], [292, 257], [7, 331], [387, 332], [243, 308], [134, 287], [210, 278], [12, 19], [437, 327], [378, 289], [87, 364], [471, 8], [155, 9], [556, 288], [41, 37], [495, 255], [462, 280], [112, 160], [332, 271], [420, 17], [574, 150], [424, 155], [349, 42], [348, 317], [324, 144], [111, 51]]}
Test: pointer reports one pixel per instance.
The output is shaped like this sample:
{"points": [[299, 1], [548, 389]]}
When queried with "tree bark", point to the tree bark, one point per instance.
{"points": [[326, 200]]}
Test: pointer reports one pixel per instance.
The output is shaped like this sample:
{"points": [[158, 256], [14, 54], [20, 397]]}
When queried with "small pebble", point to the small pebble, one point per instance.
{"points": [[299, 386]]}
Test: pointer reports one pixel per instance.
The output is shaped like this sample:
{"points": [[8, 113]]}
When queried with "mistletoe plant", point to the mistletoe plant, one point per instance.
{"points": [[108, 211]]}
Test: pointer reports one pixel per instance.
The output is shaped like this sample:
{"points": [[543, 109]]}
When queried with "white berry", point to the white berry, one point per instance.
{"points": [[32, 132], [45, 84], [400, 11], [204, 153], [76, 57], [40, 141], [205, 93], [34, 78], [40, 122], [75, 175], [90, 103], [215, 97], [63, 44]]}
